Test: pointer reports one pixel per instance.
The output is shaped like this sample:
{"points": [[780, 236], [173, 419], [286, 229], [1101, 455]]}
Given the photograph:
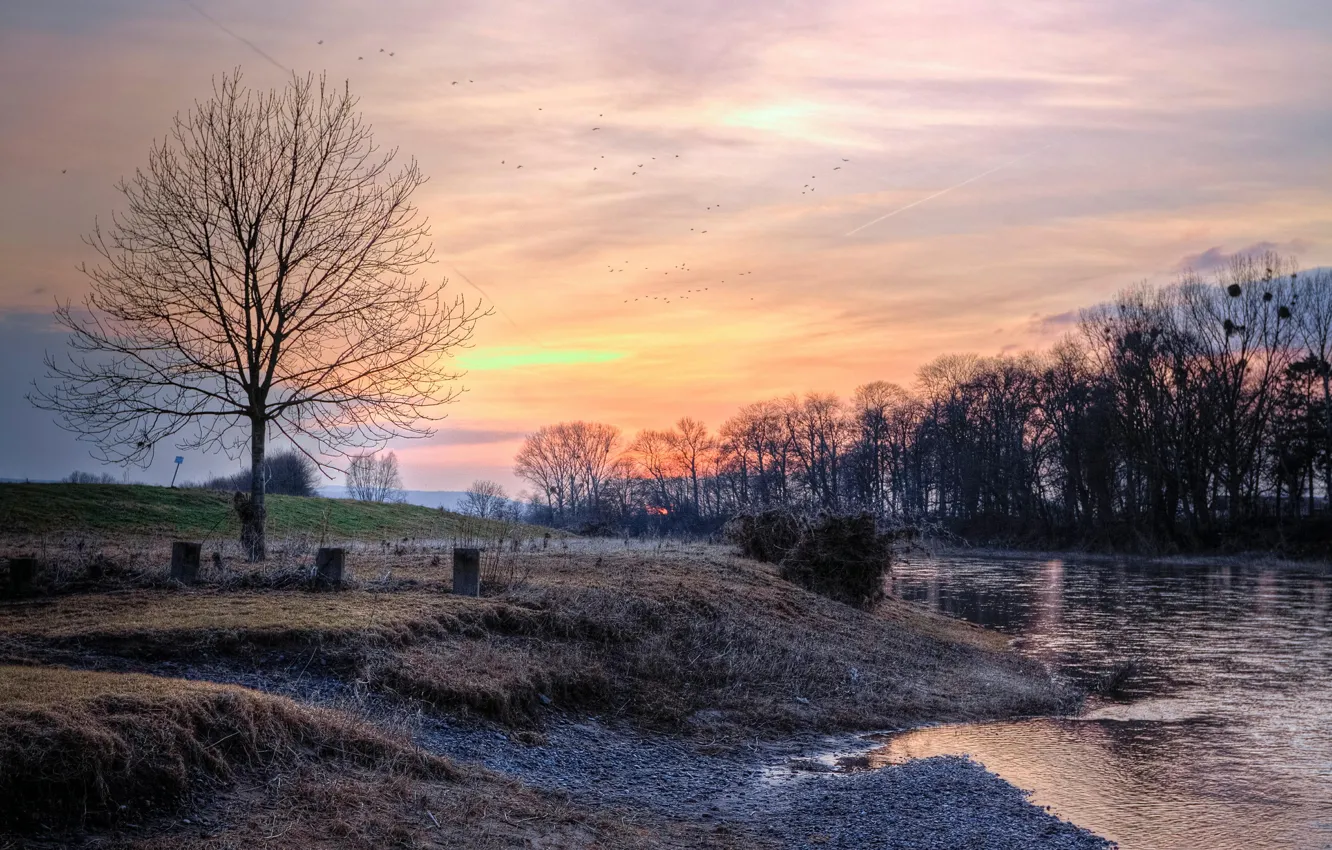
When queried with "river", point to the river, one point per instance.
{"points": [[1221, 740]]}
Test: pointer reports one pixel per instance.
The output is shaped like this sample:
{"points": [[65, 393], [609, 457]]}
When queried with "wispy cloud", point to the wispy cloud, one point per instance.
{"points": [[1217, 258], [514, 358]]}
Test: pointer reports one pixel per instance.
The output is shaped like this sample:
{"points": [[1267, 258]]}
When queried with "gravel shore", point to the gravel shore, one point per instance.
{"points": [[771, 791], [787, 792]]}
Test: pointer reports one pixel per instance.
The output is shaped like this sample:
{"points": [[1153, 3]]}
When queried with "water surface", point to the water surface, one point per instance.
{"points": [[1222, 740]]}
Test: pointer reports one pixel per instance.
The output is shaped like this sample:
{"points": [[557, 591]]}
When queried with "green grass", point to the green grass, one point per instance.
{"points": [[142, 510]]}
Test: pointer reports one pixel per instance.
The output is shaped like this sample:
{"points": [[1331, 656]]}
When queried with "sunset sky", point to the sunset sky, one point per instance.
{"points": [[1046, 153]]}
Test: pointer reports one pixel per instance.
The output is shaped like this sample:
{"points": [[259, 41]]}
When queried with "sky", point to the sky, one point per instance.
{"points": [[855, 186]]}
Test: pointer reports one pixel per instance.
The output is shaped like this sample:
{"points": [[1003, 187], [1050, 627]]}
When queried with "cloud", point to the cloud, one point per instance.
{"points": [[512, 358], [1054, 322], [1216, 258], [475, 436]]}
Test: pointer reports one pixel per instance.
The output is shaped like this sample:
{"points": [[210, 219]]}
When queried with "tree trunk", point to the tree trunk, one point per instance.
{"points": [[253, 519], [1327, 437]]}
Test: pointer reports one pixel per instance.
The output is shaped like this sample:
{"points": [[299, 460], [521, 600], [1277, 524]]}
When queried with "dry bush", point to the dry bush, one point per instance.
{"points": [[768, 536], [841, 557], [81, 746]]}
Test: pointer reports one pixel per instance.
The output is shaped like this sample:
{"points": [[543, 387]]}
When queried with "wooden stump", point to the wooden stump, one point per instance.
{"points": [[328, 566], [185, 561], [21, 573], [467, 572]]}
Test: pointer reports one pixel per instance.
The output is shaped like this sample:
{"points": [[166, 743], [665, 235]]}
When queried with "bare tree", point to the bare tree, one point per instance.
{"points": [[485, 499], [568, 463], [372, 477], [654, 454], [693, 447], [260, 278], [542, 463], [1312, 303]]}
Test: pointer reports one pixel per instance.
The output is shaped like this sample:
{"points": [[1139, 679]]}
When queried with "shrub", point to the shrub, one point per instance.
{"points": [[841, 557], [287, 473], [768, 536], [78, 477]]}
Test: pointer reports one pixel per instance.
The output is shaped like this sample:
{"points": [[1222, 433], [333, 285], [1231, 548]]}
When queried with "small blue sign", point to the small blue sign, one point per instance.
{"points": [[180, 460]]}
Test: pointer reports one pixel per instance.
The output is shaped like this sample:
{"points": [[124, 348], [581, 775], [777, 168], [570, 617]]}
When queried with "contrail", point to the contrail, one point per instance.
{"points": [[485, 295], [946, 191], [240, 38]]}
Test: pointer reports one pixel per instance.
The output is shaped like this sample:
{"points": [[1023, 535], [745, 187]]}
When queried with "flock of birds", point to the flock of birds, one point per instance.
{"points": [[682, 269], [699, 229]]}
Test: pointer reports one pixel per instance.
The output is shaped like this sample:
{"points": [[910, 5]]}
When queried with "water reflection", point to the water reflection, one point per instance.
{"points": [[1224, 737]]}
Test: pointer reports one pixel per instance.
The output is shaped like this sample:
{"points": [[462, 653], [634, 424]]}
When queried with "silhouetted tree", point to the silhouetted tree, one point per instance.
{"points": [[568, 463], [286, 473], [374, 477], [485, 499], [259, 278]]}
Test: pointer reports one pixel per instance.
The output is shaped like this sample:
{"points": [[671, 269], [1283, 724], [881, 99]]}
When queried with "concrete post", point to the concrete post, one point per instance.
{"points": [[467, 572], [185, 561], [21, 573], [328, 567]]}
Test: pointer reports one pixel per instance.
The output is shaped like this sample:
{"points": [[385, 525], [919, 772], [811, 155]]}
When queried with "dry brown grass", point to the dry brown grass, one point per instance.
{"points": [[159, 763], [652, 634], [314, 808], [78, 745]]}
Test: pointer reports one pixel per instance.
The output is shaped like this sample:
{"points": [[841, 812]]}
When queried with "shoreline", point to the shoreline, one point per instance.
{"points": [[770, 790]]}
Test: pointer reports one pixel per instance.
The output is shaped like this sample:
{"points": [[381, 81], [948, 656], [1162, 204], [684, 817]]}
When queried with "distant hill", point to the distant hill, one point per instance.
{"points": [[137, 509], [449, 500]]}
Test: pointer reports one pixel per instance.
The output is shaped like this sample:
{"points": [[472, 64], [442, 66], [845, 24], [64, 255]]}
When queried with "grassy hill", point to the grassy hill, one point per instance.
{"points": [[142, 510]]}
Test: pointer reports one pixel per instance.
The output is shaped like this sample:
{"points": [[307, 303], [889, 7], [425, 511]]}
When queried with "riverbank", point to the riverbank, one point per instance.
{"points": [[684, 674]]}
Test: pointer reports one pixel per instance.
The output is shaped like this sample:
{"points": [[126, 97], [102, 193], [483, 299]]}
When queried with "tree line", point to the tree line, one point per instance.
{"points": [[1173, 414]]}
